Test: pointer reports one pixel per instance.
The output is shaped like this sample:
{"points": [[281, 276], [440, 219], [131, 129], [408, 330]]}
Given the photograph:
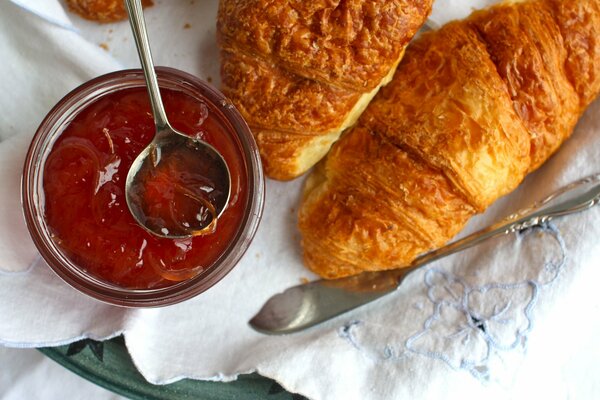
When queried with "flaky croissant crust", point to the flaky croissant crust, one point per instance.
{"points": [[301, 72], [343, 43], [472, 109], [101, 10]]}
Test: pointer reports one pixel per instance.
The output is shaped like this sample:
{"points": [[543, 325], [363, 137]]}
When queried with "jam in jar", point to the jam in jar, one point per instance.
{"points": [[78, 165]]}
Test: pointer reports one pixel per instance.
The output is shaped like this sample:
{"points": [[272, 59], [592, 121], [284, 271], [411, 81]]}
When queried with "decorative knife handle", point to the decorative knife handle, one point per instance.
{"points": [[575, 197]]}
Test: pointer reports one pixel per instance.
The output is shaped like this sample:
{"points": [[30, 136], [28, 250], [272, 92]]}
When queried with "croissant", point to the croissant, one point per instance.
{"points": [[472, 108], [301, 72], [101, 10]]}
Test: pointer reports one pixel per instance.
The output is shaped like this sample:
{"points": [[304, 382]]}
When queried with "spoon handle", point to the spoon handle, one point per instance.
{"points": [[138, 26]]}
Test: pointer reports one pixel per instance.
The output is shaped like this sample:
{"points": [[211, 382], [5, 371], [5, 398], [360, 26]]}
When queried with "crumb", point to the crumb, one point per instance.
{"points": [[209, 79], [304, 280], [257, 255], [192, 2], [104, 46], [292, 210], [110, 31], [187, 26]]}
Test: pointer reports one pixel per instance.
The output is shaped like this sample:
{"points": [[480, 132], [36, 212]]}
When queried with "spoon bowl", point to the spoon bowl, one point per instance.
{"points": [[197, 188], [178, 185]]}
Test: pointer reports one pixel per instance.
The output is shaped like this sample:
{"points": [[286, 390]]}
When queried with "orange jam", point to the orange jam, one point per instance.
{"points": [[84, 182], [179, 189]]}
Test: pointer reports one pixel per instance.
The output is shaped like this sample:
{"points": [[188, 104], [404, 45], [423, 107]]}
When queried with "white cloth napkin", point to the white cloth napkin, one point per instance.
{"points": [[517, 315]]}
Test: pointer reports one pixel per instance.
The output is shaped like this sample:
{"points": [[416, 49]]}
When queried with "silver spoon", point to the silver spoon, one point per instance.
{"points": [[306, 305], [170, 146]]}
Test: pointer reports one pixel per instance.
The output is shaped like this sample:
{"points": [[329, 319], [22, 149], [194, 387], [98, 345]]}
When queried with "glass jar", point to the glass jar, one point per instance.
{"points": [[33, 195]]}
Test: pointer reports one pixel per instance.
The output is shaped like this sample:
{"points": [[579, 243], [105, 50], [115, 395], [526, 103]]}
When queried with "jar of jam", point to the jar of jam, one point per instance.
{"points": [[74, 181]]}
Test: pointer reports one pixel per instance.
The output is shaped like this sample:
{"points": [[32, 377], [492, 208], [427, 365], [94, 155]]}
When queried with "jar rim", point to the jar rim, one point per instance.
{"points": [[32, 191]]}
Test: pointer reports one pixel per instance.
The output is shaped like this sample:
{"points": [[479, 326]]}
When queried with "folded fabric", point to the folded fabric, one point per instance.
{"points": [[480, 323]]}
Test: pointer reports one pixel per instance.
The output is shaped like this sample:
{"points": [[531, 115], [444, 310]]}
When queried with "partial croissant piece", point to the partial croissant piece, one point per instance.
{"points": [[301, 72], [101, 10], [472, 108]]}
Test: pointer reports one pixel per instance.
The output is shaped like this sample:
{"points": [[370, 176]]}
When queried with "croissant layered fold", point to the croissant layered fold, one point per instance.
{"points": [[473, 107], [301, 72]]}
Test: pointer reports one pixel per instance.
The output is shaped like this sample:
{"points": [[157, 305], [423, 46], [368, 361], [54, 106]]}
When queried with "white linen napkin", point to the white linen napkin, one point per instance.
{"points": [[483, 322]]}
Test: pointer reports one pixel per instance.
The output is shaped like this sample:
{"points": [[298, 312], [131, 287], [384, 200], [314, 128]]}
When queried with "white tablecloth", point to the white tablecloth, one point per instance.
{"points": [[542, 321]]}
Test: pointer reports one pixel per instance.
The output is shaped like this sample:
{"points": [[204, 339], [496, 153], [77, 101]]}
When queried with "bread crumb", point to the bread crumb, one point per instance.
{"points": [[187, 26], [304, 280], [104, 46], [209, 79]]}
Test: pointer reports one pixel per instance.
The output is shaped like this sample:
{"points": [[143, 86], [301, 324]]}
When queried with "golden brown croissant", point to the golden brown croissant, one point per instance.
{"points": [[101, 10], [472, 108], [300, 72]]}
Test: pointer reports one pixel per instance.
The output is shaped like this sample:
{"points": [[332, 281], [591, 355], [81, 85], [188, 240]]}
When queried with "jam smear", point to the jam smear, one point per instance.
{"points": [[84, 187]]}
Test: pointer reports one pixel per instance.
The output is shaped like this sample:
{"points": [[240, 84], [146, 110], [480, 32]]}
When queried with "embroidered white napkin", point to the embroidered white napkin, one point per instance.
{"points": [[518, 315]]}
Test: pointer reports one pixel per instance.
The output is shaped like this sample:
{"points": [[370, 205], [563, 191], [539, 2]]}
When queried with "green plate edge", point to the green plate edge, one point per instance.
{"points": [[109, 365]]}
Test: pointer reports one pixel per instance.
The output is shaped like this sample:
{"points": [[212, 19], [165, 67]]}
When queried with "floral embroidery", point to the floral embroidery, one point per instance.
{"points": [[471, 321]]}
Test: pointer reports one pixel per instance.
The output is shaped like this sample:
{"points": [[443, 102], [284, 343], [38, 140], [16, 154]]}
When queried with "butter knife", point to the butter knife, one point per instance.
{"points": [[309, 304]]}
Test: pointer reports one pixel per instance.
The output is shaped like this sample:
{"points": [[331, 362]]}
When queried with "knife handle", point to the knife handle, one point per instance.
{"points": [[575, 197]]}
